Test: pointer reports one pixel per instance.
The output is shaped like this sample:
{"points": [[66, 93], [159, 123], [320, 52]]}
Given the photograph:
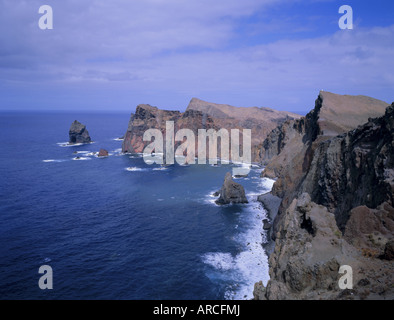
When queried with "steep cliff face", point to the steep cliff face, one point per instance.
{"points": [[261, 121], [309, 251], [145, 117], [337, 189], [354, 169], [204, 115], [301, 141]]}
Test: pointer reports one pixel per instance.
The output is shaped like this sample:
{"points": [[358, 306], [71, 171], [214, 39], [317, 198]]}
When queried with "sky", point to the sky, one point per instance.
{"points": [[113, 55]]}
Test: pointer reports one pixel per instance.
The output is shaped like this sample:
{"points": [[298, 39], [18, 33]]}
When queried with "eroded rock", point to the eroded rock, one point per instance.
{"points": [[231, 192], [78, 133]]}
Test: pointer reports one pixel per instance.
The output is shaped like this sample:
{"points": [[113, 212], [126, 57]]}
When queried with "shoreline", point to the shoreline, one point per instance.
{"points": [[271, 204]]}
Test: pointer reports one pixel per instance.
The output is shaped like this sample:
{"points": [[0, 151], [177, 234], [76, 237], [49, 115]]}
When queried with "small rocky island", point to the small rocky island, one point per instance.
{"points": [[78, 133], [103, 153], [231, 192]]}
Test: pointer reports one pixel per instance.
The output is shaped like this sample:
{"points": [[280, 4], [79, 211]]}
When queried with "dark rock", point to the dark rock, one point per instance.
{"points": [[389, 251], [364, 282], [103, 153], [240, 176], [266, 224], [231, 192], [78, 133], [271, 204]]}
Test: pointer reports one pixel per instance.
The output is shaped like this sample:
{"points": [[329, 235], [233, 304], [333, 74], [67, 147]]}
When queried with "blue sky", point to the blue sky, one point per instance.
{"points": [[114, 55]]}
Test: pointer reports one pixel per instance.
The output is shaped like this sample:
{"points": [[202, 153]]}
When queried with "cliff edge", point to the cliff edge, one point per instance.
{"points": [[335, 176], [204, 115]]}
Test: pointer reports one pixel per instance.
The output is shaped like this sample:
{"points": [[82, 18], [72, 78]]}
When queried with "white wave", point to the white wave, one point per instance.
{"points": [[52, 160], [160, 169], [67, 144], [250, 265], [82, 158], [266, 184], [118, 139], [210, 198], [219, 260], [132, 169], [135, 156]]}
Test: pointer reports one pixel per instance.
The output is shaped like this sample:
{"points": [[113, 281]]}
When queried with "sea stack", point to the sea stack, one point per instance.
{"points": [[78, 133], [103, 153], [231, 192]]}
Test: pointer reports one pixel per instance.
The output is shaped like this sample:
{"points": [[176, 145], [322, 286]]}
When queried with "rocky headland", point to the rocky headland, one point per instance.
{"points": [[203, 115], [334, 171]]}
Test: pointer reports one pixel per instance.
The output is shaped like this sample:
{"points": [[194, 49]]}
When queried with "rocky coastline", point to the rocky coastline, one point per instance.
{"points": [[332, 201], [334, 172], [203, 115]]}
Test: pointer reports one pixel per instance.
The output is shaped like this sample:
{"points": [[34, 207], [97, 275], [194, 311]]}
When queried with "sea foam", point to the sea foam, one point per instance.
{"points": [[82, 158], [250, 265], [132, 169], [52, 160]]}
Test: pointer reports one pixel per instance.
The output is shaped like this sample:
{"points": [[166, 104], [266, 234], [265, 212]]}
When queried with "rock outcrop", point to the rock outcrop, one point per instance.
{"points": [[308, 254], [231, 192], [335, 176], [203, 115], [103, 153], [145, 117], [78, 133], [296, 158]]}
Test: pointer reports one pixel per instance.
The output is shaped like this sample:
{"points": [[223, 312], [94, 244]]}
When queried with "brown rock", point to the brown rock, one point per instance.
{"points": [[203, 115], [332, 180], [103, 153], [389, 251], [231, 192]]}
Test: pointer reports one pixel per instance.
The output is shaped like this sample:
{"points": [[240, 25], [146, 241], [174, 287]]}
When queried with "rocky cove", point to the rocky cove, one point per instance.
{"points": [[332, 202]]}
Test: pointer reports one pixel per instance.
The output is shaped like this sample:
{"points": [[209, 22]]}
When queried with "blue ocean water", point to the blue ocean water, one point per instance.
{"points": [[116, 228]]}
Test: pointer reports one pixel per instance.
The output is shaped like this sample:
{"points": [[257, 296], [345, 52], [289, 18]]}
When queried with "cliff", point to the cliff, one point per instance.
{"points": [[204, 115], [145, 117], [334, 171]]}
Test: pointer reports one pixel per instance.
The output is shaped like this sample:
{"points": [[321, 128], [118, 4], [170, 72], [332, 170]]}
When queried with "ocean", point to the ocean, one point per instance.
{"points": [[115, 227]]}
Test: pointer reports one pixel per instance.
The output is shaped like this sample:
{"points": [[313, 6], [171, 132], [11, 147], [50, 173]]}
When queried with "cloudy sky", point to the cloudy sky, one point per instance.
{"points": [[113, 55]]}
